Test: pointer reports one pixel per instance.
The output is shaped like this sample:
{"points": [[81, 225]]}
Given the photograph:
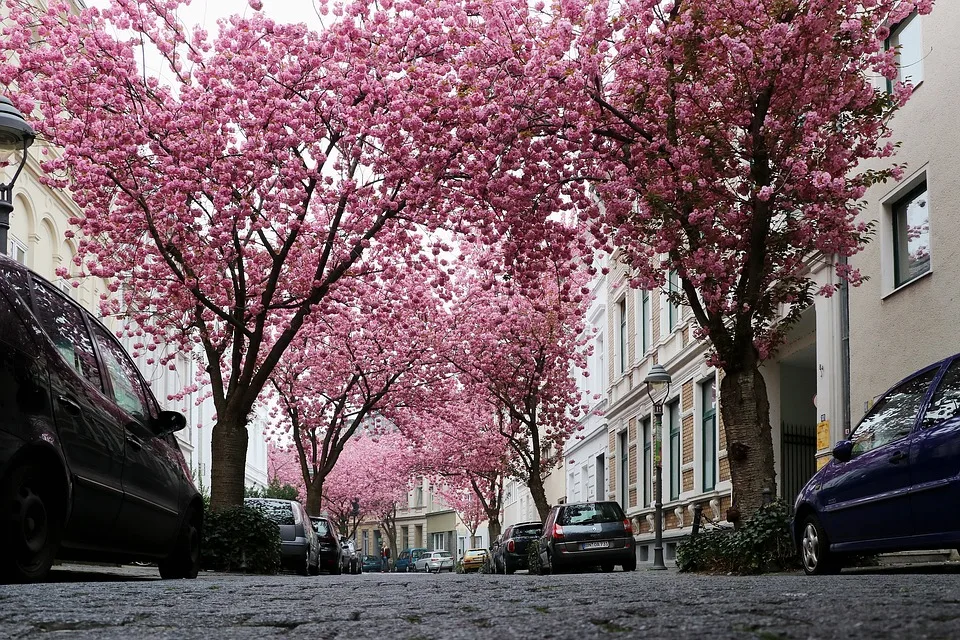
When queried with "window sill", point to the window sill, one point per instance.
{"points": [[909, 283]]}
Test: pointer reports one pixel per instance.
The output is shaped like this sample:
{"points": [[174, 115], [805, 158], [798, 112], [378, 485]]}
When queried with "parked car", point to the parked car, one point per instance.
{"points": [[511, 552], [407, 559], [894, 483], [584, 534], [329, 543], [435, 561], [299, 548], [372, 564], [89, 466], [474, 559], [350, 558]]}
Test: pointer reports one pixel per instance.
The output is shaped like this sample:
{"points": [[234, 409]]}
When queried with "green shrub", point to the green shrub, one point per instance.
{"points": [[762, 544], [240, 539]]}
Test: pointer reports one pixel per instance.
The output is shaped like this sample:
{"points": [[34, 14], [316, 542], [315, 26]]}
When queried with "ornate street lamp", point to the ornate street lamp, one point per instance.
{"points": [[15, 135], [658, 388]]}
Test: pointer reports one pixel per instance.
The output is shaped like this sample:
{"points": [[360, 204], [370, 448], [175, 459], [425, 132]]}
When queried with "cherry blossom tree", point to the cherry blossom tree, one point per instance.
{"points": [[470, 509], [371, 350], [520, 354], [733, 140], [229, 192]]}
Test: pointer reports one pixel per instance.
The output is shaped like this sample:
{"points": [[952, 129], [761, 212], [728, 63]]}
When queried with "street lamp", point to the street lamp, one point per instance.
{"points": [[15, 135], [658, 380]]}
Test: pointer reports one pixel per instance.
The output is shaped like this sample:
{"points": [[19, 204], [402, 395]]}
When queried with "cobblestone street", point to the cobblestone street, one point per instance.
{"points": [[132, 603]]}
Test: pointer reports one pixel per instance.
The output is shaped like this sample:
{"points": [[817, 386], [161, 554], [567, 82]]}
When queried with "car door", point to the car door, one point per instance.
{"points": [[868, 497], [89, 432], [150, 515], [935, 468]]}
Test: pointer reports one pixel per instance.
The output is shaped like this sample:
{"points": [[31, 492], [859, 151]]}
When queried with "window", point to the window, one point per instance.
{"points": [[911, 236], [905, 38], [601, 476], [708, 426], [644, 321], [893, 416], [673, 410], [946, 399], [127, 387], [623, 468], [647, 462], [418, 497], [18, 251], [64, 324], [622, 335], [673, 310]]}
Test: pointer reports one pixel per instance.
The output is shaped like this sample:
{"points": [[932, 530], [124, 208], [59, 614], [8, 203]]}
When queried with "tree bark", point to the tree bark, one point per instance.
{"points": [[494, 528], [745, 409], [228, 472], [314, 498], [535, 484]]}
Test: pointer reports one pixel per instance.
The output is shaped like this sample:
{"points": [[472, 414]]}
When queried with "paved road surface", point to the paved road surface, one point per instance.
{"points": [[132, 603]]}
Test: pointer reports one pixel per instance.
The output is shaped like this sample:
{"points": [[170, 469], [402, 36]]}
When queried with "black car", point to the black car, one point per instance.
{"points": [[299, 548], [511, 550], [330, 552], [89, 466], [587, 534]]}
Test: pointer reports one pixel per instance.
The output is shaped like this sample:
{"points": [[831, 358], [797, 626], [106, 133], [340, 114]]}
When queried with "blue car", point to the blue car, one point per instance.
{"points": [[895, 484]]}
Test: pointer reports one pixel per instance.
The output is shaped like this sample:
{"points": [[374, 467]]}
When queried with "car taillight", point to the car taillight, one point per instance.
{"points": [[628, 526], [511, 546], [557, 532]]}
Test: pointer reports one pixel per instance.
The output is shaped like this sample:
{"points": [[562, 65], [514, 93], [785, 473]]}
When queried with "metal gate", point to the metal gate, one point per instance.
{"points": [[798, 458]]}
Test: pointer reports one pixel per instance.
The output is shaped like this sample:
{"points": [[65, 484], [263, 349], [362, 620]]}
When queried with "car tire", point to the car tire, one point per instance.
{"points": [[606, 567], [815, 555], [315, 568], [184, 562], [304, 568], [337, 569], [31, 524], [508, 569], [630, 565]]}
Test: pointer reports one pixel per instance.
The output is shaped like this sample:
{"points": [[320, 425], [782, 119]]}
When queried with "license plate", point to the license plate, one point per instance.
{"points": [[595, 545]]}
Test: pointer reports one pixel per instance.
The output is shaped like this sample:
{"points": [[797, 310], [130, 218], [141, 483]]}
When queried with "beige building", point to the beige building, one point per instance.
{"points": [[904, 317]]}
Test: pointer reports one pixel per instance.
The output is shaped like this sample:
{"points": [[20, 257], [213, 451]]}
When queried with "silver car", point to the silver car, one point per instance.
{"points": [[299, 546], [435, 561]]}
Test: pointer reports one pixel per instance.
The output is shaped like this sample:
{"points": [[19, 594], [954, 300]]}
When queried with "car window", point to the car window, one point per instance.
{"points": [[442, 554], [529, 530], [946, 399], [128, 389], [893, 416], [63, 322], [592, 513], [280, 513], [321, 527]]}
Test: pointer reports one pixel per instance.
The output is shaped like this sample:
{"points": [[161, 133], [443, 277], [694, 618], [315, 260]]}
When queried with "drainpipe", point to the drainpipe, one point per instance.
{"points": [[845, 350]]}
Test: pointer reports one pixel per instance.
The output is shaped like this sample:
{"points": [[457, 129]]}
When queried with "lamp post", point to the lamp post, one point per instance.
{"points": [[15, 135], [658, 380]]}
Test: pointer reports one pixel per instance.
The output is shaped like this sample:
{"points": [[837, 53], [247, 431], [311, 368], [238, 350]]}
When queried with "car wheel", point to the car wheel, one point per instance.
{"points": [[630, 565], [337, 569], [184, 562], [815, 549], [315, 568], [606, 567], [31, 524], [508, 568], [304, 568]]}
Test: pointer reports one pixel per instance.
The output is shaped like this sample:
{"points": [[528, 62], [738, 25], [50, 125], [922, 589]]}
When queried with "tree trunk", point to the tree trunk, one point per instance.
{"points": [[229, 461], [746, 423], [535, 484], [314, 497], [494, 528]]}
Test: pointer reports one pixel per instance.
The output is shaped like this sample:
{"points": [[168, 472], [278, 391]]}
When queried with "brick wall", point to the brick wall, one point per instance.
{"points": [[632, 430], [612, 460]]}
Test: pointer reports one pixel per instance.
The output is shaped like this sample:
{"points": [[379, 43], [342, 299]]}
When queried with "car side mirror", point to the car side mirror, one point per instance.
{"points": [[169, 422], [843, 451]]}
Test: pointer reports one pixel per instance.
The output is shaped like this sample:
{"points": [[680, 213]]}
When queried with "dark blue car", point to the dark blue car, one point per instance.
{"points": [[895, 484]]}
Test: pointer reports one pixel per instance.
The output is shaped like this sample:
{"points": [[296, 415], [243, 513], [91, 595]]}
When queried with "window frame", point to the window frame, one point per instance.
{"points": [[708, 446], [673, 310], [895, 32], [645, 306], [933, 372], [622, 335], [646, 431], [897, 209], [674, 429]]}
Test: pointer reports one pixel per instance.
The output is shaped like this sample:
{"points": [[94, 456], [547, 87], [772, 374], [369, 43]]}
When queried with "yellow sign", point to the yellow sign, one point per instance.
{"points": [[823, 435]]}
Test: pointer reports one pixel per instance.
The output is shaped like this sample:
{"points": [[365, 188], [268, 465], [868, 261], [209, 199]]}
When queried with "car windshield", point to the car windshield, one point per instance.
{"points": [[321, 527], [528, 530], [279, 512], [592, 513]]}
